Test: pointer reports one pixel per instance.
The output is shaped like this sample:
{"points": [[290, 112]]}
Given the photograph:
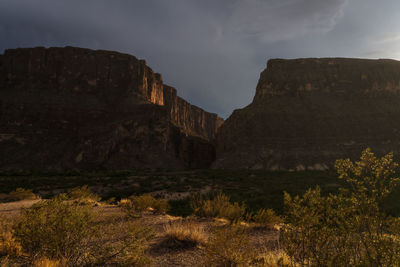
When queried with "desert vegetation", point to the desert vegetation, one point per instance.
{"points": [[217, 206], [348, 227], [61, 232], [185, 233], [136, 205], [21, 194]]}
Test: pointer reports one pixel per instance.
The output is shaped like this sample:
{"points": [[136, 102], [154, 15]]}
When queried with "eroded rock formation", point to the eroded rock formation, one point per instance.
{"points": [[193, 120], [307, 113], [69, 107]]}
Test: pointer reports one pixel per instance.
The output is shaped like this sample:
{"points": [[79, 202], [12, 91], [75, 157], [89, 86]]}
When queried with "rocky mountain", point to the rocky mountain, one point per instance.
{"points": [[75, 108], [307, 113]]}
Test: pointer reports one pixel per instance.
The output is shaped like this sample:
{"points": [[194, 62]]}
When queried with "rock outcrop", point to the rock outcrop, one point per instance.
{"points": [[74, 108], [307, 113], [193, 120]]}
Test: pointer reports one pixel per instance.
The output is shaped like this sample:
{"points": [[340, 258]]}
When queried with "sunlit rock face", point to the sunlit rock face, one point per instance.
{"points": [[193, 120], [307, 113], [63, 108]]}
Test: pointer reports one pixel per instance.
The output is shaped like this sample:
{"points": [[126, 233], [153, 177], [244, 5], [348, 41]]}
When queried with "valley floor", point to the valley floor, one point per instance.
{"points": [[160, 252], [258, 189]]}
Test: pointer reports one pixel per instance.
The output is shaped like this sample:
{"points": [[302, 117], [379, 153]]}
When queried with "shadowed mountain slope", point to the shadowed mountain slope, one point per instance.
{"points": [[307, 113]]}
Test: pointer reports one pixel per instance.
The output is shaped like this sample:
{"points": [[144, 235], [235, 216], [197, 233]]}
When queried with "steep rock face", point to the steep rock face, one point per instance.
{"points": [[78, 108], [337, 76], [309, 112], [193, 120], [98, 79]]}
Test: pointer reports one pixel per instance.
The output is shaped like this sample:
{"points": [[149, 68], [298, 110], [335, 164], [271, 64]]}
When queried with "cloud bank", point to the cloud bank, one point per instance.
{"points": [[212, 51]]}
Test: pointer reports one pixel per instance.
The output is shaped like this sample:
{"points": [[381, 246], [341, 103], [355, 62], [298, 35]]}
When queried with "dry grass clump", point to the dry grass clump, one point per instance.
{"points": [[185, 234], [218, 207], [45, 262], [21, 194], [276, 258], [9, 246], [124, 201], [229, 246], [136, 205]]}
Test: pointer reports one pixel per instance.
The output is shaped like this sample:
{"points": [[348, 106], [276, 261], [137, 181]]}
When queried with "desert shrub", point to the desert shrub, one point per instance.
{"points": [[185, 234], [313, 233], [265, 217], [136, 205], [143, 202], [83, 195], [229, 246], [218, 206], [55, 229], [21, 194], [126, 205], [349, 228], [161, 206], [66, 232]]}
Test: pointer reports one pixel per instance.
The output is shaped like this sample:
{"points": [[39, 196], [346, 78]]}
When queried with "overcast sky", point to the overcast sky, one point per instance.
{"points": [[212, 51]]}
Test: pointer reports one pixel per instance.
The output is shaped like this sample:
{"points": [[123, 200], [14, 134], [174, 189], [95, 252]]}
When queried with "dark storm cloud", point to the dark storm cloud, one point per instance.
{"points": [[277, 20], [212, 51]]}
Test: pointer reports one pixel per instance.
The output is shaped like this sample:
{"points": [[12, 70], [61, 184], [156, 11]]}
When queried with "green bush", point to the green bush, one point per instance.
{"points": [[55, 229], [218, 207], [229, 246], [21, 194], [348, 229]]}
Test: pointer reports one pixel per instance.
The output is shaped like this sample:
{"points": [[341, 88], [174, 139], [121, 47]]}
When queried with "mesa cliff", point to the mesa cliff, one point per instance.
{"points": [[307, 113], [75, 108]]}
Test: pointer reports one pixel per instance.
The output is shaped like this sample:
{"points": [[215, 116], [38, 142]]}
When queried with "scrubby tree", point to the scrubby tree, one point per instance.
{"points": [[349, 228]]}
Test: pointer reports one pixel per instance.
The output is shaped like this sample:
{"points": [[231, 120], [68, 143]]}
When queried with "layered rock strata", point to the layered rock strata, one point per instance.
{"points": [[307, 113], [66, 108]]}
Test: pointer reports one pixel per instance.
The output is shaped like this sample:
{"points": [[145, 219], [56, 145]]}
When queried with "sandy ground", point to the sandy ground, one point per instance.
{"points": [[13, 208]]}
